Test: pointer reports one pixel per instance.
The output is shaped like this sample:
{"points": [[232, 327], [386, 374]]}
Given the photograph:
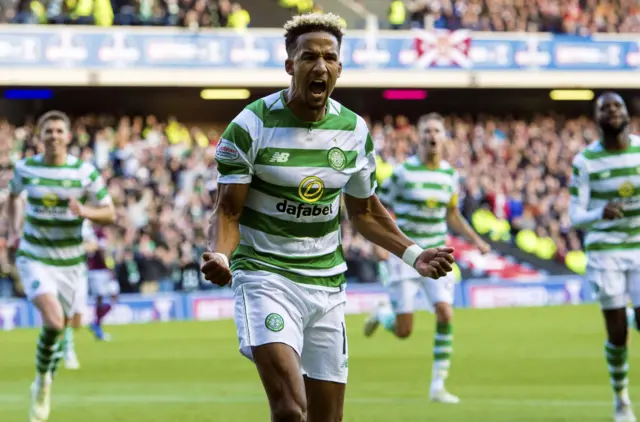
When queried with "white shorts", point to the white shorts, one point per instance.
{"points": [[272, 309], [64, 282], [102, 283], [405, 283], [613, 288]]}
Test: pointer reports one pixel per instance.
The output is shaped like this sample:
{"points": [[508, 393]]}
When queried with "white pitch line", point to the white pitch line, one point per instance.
{"points": [[154, 399]]}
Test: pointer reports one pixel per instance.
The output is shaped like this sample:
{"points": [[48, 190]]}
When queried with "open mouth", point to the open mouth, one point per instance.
{"points": [[318, 87], [432, 143], [616, 119]]}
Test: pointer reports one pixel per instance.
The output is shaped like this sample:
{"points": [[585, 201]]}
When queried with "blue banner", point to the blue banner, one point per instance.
{"points": [[128, 48], [555, 290], [361, 298]]}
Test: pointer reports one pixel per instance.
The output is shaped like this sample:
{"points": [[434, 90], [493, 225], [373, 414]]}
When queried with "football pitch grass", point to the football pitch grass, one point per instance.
{"points": [[519, 364]]}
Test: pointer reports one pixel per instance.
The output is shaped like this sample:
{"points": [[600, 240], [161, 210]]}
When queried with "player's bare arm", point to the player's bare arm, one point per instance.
{"points": [[224, 232], [380, 253], [457, 223], [371, 219], [105, 214], [91, 246]]}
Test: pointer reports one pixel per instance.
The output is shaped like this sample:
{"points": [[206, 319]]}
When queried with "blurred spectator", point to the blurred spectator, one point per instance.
{"points": [[223, 11], [127, 271], [291, 5], [397, 14], [23, 11], [304, 6], [239, 17], [418, 12]]}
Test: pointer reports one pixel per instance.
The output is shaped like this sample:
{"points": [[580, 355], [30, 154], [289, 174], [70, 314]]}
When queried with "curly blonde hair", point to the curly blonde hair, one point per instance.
{"points": [[312, 22]]}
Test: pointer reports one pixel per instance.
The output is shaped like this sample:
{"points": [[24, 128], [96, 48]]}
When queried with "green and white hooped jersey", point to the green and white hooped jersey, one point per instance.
{"points": [[51, 233], [419, 198], [297, 170], [600, 177]]}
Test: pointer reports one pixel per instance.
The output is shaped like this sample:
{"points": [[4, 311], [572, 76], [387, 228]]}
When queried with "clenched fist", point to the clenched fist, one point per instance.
{"points": [[77, 208], [435, 262], [215, 268], [612, 211]]}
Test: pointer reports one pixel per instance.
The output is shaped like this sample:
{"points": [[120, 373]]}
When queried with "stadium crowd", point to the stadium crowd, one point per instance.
{"points": [[162, 177], [189, 13], [573, 17], [193, 14]]}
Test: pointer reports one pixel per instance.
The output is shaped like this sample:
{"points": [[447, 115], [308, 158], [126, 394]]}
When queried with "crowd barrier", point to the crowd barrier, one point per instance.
{"points": [[207, 306]]}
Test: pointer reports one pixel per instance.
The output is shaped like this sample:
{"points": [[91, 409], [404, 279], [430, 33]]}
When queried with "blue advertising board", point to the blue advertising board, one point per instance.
{"points": [[219, 304], [15, 314], [128, 48], [555, 290]]}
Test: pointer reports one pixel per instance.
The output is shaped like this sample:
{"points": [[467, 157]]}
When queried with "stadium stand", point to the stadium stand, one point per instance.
{"points": [[190, 13], [162, 175], [573, 17]]}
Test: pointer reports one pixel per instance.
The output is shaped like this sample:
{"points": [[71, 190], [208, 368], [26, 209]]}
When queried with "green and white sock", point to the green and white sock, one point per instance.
{"points": [[45, 353], [618, 369], [58, 355], [442, 350], [70, 345]]}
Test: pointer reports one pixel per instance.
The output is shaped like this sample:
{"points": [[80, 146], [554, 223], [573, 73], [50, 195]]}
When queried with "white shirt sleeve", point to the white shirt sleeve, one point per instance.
{"points": [[390, 188], [88, 235], [362, 183], [235, 152], [96, 188], [579, 213]]}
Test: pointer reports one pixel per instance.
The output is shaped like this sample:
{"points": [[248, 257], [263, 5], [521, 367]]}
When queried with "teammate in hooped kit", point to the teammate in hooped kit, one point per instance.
{"points": [[299, 146], [102, 283], [423, 195], [62, 191], [605, 203], [74, 322]]}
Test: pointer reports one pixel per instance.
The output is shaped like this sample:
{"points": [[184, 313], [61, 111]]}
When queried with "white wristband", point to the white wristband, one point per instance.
{"points": [[411, 254], [224, 258]]}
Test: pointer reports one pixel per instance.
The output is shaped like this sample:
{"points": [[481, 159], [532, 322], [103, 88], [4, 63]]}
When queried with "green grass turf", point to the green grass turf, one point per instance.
{"points": [[520, 364]]}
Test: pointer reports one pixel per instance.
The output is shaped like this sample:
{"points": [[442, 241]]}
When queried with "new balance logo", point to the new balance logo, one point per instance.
{"points": [[279, 157]]}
